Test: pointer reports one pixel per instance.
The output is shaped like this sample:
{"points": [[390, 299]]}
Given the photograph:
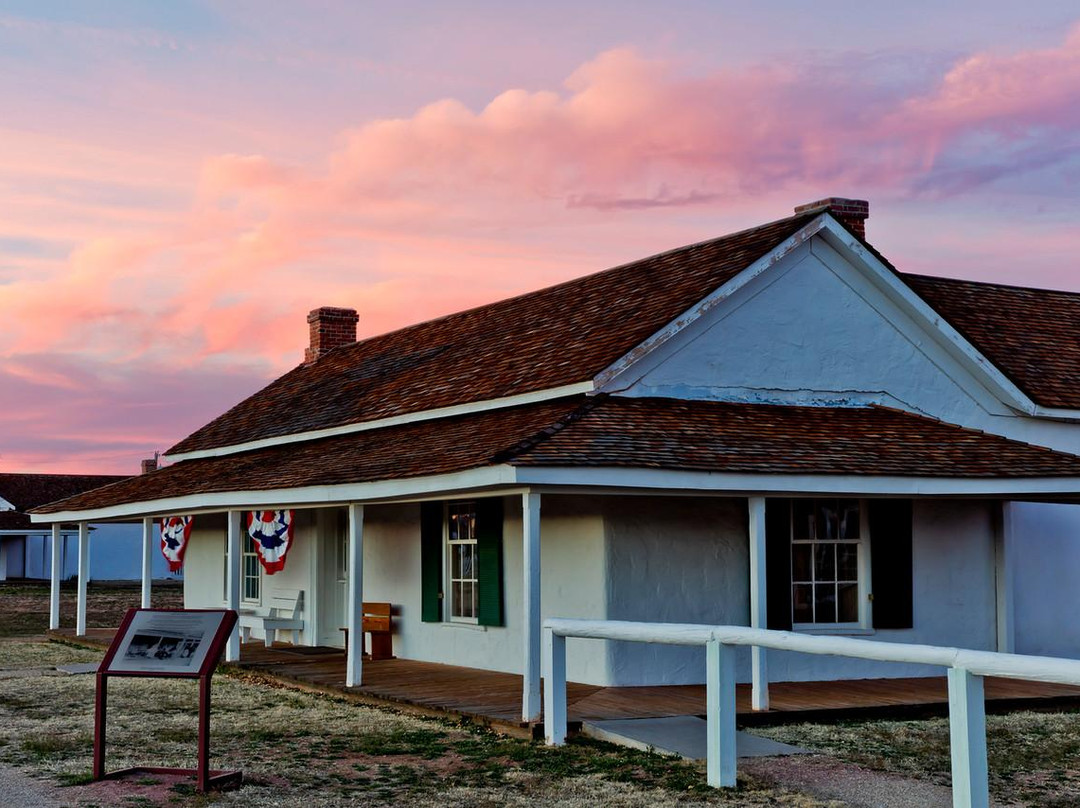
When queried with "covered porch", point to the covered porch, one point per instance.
{"points": [[493, 698]]}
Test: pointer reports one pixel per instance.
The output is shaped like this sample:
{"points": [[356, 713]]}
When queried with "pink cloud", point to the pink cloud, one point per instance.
{"points": [[411, 217]]}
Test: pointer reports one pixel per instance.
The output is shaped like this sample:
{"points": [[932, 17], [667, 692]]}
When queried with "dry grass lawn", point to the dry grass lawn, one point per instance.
{"points": [[1034, 757], [305, 750], [24, 606]]}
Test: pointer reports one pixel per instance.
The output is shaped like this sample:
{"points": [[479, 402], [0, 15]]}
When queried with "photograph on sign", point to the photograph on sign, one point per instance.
{"points": [[166, 642]]}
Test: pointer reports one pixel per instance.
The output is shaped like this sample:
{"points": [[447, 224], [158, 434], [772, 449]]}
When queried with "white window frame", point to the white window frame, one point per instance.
{"points": [[249, 555], [449, 547], [864, 623]]}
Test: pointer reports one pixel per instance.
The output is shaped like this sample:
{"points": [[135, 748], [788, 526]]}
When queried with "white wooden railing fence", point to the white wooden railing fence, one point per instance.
{"points": [[966, 669]]}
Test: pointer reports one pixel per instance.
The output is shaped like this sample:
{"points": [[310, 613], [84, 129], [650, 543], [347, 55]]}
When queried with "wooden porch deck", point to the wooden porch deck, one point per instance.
{"points": [[495, 698]]}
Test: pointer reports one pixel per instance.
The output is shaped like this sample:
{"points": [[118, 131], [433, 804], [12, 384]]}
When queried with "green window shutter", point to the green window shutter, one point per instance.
{"points": [[778, 563], [489, 561], [431, 562], [890, 562]]}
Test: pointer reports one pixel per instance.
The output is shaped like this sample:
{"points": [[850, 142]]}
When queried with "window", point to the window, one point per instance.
{"points": [[828, 562], [462, 560], [249, 570]]}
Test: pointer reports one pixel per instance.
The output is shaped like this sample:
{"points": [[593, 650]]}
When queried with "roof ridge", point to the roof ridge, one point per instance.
{"points": [[528, 444]]}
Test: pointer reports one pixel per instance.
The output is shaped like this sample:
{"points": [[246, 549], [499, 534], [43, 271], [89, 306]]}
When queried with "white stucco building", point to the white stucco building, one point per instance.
{"points": [[773, 428]]}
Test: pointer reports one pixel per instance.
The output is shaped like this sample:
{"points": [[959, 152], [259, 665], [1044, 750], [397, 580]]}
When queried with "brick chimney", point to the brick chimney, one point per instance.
{"points": [[852, 212], [330, 328], [150, 464]]}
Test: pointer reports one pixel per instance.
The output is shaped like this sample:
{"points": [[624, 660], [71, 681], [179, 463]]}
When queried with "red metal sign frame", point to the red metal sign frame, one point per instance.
{"points": [[205, 779]]}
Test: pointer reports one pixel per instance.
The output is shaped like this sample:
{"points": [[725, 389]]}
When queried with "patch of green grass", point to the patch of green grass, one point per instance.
{"points": [[426, 743], [50, 745], [80, 778]]}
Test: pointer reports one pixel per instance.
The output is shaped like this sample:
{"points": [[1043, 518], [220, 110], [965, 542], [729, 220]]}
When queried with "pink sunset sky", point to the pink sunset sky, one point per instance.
{"points": [[181, 182]]}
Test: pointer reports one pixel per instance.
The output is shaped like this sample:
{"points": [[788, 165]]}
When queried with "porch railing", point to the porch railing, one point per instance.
{"points": [[966, 669]]}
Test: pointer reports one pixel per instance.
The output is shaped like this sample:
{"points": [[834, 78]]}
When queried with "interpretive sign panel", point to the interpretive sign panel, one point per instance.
{"points": [[181, 643], [166, 642]]}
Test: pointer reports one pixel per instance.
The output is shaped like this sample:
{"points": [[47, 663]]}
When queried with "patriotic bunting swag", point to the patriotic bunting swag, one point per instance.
{"points": [[175, 532], [272, 533]]}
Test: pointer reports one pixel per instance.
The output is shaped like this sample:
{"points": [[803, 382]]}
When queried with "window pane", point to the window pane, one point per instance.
{"points": [[825, 603], [800, 562], [468, 599], [824, 563], [827, 519], [849, 603], [467, 553], [847, 562], [455, 560], [802, 516], [849, 519], [802, 609]]}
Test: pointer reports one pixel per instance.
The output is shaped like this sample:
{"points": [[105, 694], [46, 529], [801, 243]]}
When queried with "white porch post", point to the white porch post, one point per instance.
{"points": [[759, 676], [967, 735], [84, 577], [720, 714], [530, 530], [1004, 548], [147, 559], [57, 566], [355, 651], [232, 650]]}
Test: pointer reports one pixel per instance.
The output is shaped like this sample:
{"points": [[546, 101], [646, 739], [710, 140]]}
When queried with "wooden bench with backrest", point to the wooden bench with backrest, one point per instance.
{"points": [[378, 622], [283, 614]]}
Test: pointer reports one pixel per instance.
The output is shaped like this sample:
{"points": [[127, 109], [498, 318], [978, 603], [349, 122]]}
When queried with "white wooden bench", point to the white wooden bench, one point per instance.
{"points": [[283, 614]]}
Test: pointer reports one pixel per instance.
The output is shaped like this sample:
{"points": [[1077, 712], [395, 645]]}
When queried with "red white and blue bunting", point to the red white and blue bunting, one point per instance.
{"points": [[272, 532], [175, 532]]}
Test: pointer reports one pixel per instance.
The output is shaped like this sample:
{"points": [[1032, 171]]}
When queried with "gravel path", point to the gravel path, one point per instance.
{"points": [[829, 778], [26, 792]]}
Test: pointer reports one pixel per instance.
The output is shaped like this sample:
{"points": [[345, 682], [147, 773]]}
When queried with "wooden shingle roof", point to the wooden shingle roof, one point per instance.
{"points": [[655, 433], [1031, 335], [27, 491]]}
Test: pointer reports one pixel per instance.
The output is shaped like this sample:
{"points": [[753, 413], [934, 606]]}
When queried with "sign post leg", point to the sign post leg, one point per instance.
{"points": [[203, 773], [99, 726]]}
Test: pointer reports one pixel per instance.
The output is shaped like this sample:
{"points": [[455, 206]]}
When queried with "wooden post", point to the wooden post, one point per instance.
{"points": [[355, 645], [530, 529], [147, 559], [554, 688], [202, 764], [100, 713], [232, 649], [1003, 578], [967, 735], [759, 677], [720, 713], [84, 577], [57, 567]]}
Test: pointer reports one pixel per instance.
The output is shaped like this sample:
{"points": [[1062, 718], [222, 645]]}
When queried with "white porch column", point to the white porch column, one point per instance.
{"points": [[57, 566], [530, 537], [1004, 549], [967, 737], [147, 559], [759, 676], [354, 660], [84, 577], [232, 650]]}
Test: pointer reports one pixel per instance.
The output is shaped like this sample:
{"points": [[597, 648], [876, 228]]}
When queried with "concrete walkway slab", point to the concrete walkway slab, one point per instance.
{"points": [[78, 667], [680, 736]]}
